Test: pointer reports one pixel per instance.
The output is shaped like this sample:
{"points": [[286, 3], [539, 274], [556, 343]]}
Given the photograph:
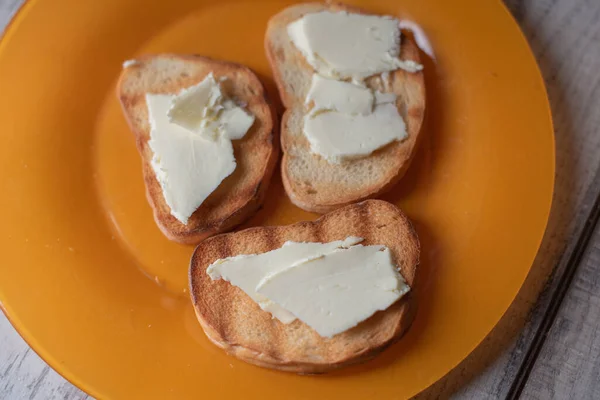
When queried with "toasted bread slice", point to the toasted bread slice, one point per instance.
{"points": [[242, 192], [309, 180], [234, 322]]}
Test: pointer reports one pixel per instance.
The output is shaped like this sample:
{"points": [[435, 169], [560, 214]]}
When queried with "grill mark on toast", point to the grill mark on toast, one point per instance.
{"points": [[364, 222], [270, 240], [317, 232], [223, 247]]}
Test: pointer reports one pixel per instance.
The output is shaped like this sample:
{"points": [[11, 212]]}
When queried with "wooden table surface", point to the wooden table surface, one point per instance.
{"points": [[548, 343]]}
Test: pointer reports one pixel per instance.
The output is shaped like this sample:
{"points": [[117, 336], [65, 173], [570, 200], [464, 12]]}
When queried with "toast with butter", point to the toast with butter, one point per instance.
{"points": [[237, 324], [240, 193], [311, 182]]}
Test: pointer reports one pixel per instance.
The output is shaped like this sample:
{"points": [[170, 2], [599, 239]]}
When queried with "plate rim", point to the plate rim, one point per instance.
{"points": [[90, 390]]}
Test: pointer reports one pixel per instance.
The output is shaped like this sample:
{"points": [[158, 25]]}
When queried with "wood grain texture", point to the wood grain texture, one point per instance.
{"points": [[564, 35], [7, 10], [568, 365], [23, 375]]}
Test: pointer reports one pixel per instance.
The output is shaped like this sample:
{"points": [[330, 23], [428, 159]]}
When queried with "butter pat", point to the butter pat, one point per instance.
{"points": [[331, 287], [344, 45], [383, 98], [419, 35], [190, 138], [329, 94], [203, 109], [189, 167], [195, 104], [349, 121], [129, 63], [234, 121], [337, 136], [246, 271], [336, 291]]}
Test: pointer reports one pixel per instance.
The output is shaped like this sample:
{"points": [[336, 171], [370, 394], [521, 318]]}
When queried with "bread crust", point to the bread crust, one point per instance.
{"points": [[235, 323], [309, 180], [242, 192]]}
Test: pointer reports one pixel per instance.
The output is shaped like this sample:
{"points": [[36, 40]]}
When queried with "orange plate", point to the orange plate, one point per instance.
{"points": [[100, 294]]}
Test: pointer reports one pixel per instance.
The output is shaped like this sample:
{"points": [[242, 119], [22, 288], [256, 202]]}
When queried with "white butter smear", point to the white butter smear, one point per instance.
{"points": [[130, 63], [188, 166], [343, 45], [330, 94], [246, 271], [420, 37], [338, 136], [203, 109], [190, 138], [348, 120], [331, 287], [337, 291]]}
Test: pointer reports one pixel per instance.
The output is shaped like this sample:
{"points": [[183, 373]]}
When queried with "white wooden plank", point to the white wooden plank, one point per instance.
{"points": [[569, 363], [7, 10], [496, 378], [23, 375]]}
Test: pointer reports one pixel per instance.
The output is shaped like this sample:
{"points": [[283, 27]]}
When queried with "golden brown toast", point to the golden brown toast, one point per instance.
{"points": [[234, 322], [242, 192], [309, 180]]}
